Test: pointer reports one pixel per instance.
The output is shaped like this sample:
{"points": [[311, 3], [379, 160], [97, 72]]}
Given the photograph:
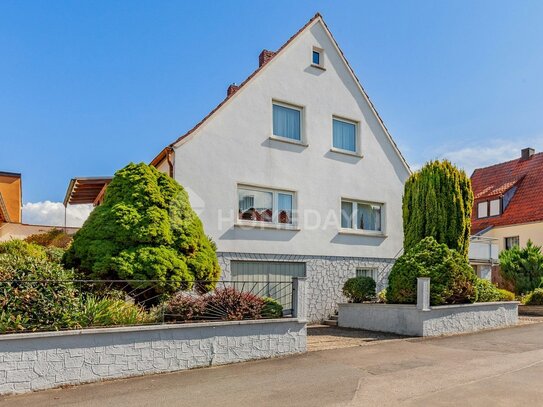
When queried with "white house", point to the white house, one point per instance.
{"points": [[295, 174]]}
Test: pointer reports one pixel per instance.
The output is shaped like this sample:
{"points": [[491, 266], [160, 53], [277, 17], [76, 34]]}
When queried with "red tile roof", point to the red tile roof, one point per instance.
{"points": [[492, 182]]}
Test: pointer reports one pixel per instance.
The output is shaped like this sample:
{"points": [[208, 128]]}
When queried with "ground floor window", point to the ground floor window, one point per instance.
{"points": [[361, 215], [263, 205], [511, 242], [366, 272]]}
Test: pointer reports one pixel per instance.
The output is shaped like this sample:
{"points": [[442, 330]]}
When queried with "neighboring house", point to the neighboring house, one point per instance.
{"points": [[293, 174], [11, 226], [508, 206]]}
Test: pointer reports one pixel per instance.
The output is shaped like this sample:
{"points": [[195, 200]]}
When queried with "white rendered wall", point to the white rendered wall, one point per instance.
{"points": [[234, 147]]}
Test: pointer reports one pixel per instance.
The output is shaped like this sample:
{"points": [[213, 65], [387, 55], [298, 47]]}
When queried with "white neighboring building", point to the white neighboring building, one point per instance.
{"points": [[295, 174]]}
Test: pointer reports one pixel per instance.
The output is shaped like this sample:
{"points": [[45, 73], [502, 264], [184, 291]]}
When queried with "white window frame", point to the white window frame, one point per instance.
{"points": [[274, 224], [357, 137], [320, 51], [301, 109], [482, 205], [354, 224], [490, 212], [374, 272]]}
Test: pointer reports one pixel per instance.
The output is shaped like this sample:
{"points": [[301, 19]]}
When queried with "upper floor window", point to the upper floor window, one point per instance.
{"points": [[361, 215], [317, 57], [287, 121], [511, 242], [344, 137], [263, 205], [482, 209], [489, 208]]}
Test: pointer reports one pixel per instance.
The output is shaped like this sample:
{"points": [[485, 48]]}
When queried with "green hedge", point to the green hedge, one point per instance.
{"points": [[359, 289], [452, 278]]}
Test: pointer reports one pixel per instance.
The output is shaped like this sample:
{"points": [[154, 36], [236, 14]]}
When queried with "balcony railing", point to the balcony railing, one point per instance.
{"points": [[483, 249]]}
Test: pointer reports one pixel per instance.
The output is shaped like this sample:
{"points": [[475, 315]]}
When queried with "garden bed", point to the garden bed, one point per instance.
{"points": [[531, 310], [406, 319], [34, 361]]}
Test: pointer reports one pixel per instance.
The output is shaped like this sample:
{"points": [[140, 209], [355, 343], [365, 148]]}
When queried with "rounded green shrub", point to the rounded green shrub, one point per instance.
{"points": [[272, 308], [145, 229], [487, 292], [452, 280], [506, 295], [359, 289], [535, 297]]}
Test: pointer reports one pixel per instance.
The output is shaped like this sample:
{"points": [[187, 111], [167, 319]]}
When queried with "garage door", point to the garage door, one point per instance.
{"points": [[267, 278]]}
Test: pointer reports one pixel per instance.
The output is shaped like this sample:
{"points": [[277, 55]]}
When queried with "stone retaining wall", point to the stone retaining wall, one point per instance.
{"points": [[34, 361], [409, 320]]}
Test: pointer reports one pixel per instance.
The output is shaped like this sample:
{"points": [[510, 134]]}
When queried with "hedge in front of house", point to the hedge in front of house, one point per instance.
{"points": [[453, 280], [359, 289]]}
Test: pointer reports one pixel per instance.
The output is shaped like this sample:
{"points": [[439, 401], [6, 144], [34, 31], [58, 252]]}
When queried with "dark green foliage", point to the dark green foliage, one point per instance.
{"points": [[145, 229], [28, 303], [452, 278], [488, 292], [522, 267], [359, 289], [272, 308], [535, 297], [437, 202]]}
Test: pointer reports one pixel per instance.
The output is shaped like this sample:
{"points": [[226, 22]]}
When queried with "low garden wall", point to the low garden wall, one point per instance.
{"points": [[434, 321], [34, 361]]}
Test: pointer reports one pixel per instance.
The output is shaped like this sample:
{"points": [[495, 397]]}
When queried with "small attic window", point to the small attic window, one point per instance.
{"points": [[317, 58]]}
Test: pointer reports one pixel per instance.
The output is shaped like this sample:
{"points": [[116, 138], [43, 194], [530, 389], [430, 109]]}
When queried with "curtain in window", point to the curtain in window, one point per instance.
{"points": [[346, 214], [284, 208], [369, 217], [286, 122], [344, 135]]}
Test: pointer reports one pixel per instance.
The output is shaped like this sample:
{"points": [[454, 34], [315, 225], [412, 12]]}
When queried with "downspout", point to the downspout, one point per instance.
{"points": [[169, 153]]}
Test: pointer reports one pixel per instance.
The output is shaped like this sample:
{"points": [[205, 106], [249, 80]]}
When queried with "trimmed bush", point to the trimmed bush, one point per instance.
{"points": [[145, 229], [522, 267], [506, 295], [487, 292], [359, 289], [535, 297], [452, 278], [272, 308], [437, 202]]}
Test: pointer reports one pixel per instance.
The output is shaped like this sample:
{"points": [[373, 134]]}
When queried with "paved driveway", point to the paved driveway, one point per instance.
{"points": [[493, 368]]}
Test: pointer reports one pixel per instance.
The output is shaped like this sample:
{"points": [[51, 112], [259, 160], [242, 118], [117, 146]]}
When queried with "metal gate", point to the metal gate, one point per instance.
{"points": [[267, 279]]}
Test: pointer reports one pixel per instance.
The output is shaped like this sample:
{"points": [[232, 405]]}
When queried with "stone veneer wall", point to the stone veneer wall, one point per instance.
{"points": [[325, 276], [34, 361]]}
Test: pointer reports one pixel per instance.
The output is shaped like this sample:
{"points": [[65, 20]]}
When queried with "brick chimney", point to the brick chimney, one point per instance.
{"points": [[233, 88], [526, 153], [265, 56]]}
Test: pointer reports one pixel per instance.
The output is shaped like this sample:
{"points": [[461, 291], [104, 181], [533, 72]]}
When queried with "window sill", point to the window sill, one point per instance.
{"points": [[346, 152], [358, 232], [289, 141], [265, 225], [322, 68]]}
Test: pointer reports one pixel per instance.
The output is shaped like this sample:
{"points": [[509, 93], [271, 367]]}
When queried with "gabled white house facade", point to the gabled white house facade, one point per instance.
{"points": [[295, 175]]}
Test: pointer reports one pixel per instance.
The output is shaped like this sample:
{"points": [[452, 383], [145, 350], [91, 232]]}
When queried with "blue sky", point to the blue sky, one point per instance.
{"points": [[86, 87]]}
